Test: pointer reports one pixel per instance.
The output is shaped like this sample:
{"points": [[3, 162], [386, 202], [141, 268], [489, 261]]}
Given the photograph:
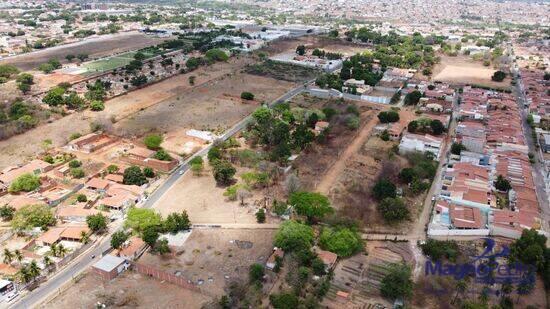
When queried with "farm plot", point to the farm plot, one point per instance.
{"points": [[109, 63]]}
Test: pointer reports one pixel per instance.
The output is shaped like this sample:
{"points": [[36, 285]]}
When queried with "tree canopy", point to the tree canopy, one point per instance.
{"points": [[397, 284], [26, 182], [313, 205], [32, 216], [294, 236], [342, 241], [140, 218]]}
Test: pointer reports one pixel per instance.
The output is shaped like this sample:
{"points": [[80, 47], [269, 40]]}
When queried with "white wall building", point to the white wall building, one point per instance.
{"points": [[421, 143]]}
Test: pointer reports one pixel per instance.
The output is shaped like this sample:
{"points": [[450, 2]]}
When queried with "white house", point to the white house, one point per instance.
{"points": [[421, 143]]}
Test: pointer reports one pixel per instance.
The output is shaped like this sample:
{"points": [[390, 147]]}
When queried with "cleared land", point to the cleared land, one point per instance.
{"points": [[129, 290], [94, 47], [214, 102], [463, 70], [215, 257]]}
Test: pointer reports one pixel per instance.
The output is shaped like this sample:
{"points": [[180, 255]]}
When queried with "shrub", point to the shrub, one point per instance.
{"points": [[26, 182], [148, 172], [134, 176], [383, 189], [260, 215], [245, 95], [397, 284], [97, 106], [353, 123], [77, 172], [342, 241], [223, 172], [393, 209], [153, 141], [81, 198], [32, 216], [438, 249], [498, 76], [162, 155]]}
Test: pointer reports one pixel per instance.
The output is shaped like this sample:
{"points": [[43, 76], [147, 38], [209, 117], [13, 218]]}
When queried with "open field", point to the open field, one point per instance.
{"points": [[216, 257], [312, 42], [129, 290], [464, 70], [94, 47], [109, 63], [214, 102]]}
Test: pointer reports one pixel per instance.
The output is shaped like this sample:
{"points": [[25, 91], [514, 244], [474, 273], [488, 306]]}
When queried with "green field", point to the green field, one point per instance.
{"points": [[110, 63]]}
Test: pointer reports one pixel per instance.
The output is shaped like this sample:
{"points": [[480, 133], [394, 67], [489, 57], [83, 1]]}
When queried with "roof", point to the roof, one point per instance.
{"points": [[134, 245], [51, 236], [22, 200], [10, 175], [97, 183], [109, 262], [465, 217], [327, 257], [114, 177], [4, 283], [7, 270], [141, 152], [74, 232], [71, 211]]}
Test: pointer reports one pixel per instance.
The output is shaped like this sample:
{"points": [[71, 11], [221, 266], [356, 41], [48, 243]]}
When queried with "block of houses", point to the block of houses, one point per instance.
{"points": [[421, 143], [33, 167], [277, 252], [109, 266]]}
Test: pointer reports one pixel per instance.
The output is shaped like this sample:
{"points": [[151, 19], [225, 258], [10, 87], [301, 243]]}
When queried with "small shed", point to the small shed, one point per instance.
{"points": [[110, 266]]}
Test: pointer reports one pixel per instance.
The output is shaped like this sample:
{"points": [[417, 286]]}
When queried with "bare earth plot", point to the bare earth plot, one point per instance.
{"points": [[94, 47], [212, 258], [312, 42], [463, 70], [128, 290], [180, 105]]}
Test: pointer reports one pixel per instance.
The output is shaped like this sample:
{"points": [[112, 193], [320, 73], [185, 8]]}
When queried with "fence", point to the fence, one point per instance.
{"points": [[73, 255], [456, 232], [164, 276]]}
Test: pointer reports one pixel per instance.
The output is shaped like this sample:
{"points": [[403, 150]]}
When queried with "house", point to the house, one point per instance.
{"points": [[132, 249], [463, 217], [421, 143], [110, 266], [33, 167], [74, 214], [271, 261], [114, 178], [7, 271], [328, 258], [97, 184], [145, 157], [57, 234], [90, 142]]}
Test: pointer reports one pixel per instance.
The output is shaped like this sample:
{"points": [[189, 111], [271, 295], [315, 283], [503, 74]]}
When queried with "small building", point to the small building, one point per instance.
{"points": [[328, 258], [271, 261], [6, 288], [132, 249], [544, 141], [421, 143], [110, 266], [97, 184]]}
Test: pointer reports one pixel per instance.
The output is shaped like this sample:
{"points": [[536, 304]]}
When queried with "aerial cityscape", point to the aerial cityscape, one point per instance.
{"points": [[361, 154]]}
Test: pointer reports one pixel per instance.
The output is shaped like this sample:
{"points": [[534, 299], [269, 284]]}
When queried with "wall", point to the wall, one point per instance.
{"points": [[457, 232], [164, 276]]}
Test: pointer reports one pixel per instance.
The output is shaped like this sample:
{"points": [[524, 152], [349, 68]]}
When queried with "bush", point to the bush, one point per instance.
{"points": [[397, 284], [383, 189], [32, 216], [245, 95], [389, 116], [256, 273], [75, 164], [393, 209], [498, 76], [97, 106], [148, 172], [81, 198], [260, 215], [353, 123], [26, 182], [343, 241], [77, 172], [153, 141], [162, 155], [223, 172], [456, 148], [438, 249], [413, 97]]}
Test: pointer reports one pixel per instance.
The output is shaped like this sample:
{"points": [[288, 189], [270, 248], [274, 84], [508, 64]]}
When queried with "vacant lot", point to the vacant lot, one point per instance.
{"points": [[282, 71], [312, 42], [215, 257], [129, 290], [214, 102], [463, 70], [94, 47]]}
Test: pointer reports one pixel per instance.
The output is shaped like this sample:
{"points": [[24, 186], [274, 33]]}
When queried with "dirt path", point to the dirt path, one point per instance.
{"points": [[334, 172]]}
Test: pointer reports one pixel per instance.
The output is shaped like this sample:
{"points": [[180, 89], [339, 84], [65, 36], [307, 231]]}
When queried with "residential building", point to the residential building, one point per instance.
{"points": [[421, 143]]}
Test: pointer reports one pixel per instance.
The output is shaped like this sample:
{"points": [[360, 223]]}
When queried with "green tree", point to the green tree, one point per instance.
{"points": [[256, 273], [134, 176], [25, 78], [301, 50], [223, 172], [112, 169], [456, 148], [6, 212], [81, 198], [7, 70], [118, 238], [193, 63], [153, 141], [197, 165], [397, 284], [74, 101], [413, 97], [26, 182], [148, 172], [437, 127], [176, 222], [54, 96], [294, 236], [342, 241], [502, 184], [284, 301], [383, 189], [75, 163], [162, 247], [216, 54], [439, 249], [138, 219], [393, 209], [498, 76], [313, 205], [150, 235], [32, 216], [97, 106], [97, 223], [77, 172]]}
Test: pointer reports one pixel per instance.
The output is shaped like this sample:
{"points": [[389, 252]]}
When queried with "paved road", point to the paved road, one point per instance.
{"points": [[85, 260]]}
